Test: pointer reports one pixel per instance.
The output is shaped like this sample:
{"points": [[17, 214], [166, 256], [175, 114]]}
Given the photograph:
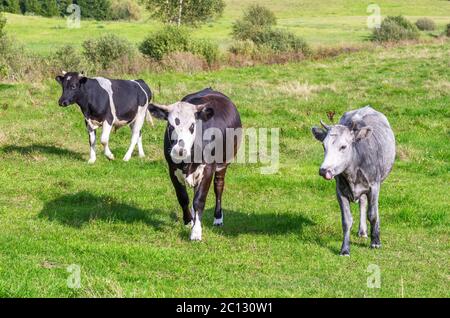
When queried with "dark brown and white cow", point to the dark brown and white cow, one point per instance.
{"points": [[202, 138], [109, 104]]}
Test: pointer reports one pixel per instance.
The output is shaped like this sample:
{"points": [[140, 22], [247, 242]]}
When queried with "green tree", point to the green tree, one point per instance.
{"points": [[31, 6], [12, 6], [49, 8], [191, 12], [63, 5], [94, 9]]}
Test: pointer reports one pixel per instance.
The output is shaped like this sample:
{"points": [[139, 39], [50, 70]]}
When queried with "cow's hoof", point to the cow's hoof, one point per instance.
{"points": [[218, 222], [362, 234], [345, 253], [375, 245], [110, 157], [91, 161], [141, 155], [127, 158], [196, 234]]}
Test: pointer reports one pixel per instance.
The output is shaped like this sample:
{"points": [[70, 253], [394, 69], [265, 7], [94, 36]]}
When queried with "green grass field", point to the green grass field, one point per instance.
{"points": [[120, 222], [319, 22]]}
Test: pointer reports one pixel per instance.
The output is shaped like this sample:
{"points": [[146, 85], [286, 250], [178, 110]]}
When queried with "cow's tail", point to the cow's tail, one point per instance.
{"points": [[148, 95]]}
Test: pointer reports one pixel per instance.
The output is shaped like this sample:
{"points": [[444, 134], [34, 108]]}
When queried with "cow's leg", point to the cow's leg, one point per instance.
{"points": [[140, 147], [374, 218], [363, 216], [347, 222], [105, 140], [183, 198], [136, 128], [201, 193], [92, 140], [219, 184]]}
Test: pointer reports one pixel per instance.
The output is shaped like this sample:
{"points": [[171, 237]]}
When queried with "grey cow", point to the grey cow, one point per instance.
{"points": [[359, 154]]}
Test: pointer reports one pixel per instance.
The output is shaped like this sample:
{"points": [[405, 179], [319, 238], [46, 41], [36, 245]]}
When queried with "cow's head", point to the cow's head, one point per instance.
{"points": [[183, 120], [338, 142], [70, 83]]}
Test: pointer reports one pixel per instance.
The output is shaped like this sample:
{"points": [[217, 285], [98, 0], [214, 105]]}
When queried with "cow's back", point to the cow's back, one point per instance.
{"points": [[376, 152]]}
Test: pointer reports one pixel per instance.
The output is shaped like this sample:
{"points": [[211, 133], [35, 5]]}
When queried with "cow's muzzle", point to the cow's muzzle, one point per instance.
{"points": [[326, 173], [64, 103]]}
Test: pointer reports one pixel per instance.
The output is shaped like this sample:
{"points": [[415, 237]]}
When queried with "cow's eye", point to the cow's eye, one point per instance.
{"points": [[73, 86], [343, 148]]}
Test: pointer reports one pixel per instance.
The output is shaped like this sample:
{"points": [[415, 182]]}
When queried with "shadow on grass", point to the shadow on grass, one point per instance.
{"points": [[237, 223], [81, 208], [44, 149]]}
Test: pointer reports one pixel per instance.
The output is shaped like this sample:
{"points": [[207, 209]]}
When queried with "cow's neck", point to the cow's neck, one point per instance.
{"points": [[83, 101], [356, 180]]}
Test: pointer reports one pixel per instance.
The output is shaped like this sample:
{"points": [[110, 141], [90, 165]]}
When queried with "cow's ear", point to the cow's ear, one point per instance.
{"points": [[59, 79], [204, 113], [363, 133], [319, 133], [83, 80], [158, 112]]}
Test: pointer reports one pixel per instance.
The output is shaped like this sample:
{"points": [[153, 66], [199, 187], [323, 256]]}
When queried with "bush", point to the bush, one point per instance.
{"points": [[168, 40], [447, 31], [2, 26], [177, 39], [208, 50], [125, 10], [281, 41], [245, 48], [395, 29], [256, 18], [107, 49], [69, 59], [426, 24]]}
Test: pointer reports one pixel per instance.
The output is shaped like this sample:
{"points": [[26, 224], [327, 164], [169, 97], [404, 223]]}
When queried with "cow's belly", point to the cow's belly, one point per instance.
{"points": [[193, 179]]}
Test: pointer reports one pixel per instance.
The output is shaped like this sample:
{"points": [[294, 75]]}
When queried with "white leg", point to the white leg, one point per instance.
{"points": [[92, 139], [136, 132], [196, 233], [363, 216], [105, 140], [140, 147]]}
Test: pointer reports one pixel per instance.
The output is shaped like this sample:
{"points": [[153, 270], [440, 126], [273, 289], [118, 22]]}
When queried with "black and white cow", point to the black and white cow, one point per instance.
{"points": [[110, 104], [200, 120], [359, 154]]}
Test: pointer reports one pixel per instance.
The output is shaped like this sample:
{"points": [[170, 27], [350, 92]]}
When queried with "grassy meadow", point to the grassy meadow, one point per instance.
{"points": [[321, 23], [120, 223]]}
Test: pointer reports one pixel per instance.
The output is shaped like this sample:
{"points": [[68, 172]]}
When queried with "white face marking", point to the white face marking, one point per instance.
{"points": [[69, 78], [183, 122], [338, 145]]}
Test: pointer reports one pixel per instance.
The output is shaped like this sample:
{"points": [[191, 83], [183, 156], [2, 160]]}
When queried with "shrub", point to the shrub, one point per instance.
{"points": [[208, 50], [107, 49], [426, 24], [246, 48], [168, 40], [256, 18], [125, 10], [395, 29], [281, 41], [69, 59], [259, 16], [447, 31], [177, 39]]}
